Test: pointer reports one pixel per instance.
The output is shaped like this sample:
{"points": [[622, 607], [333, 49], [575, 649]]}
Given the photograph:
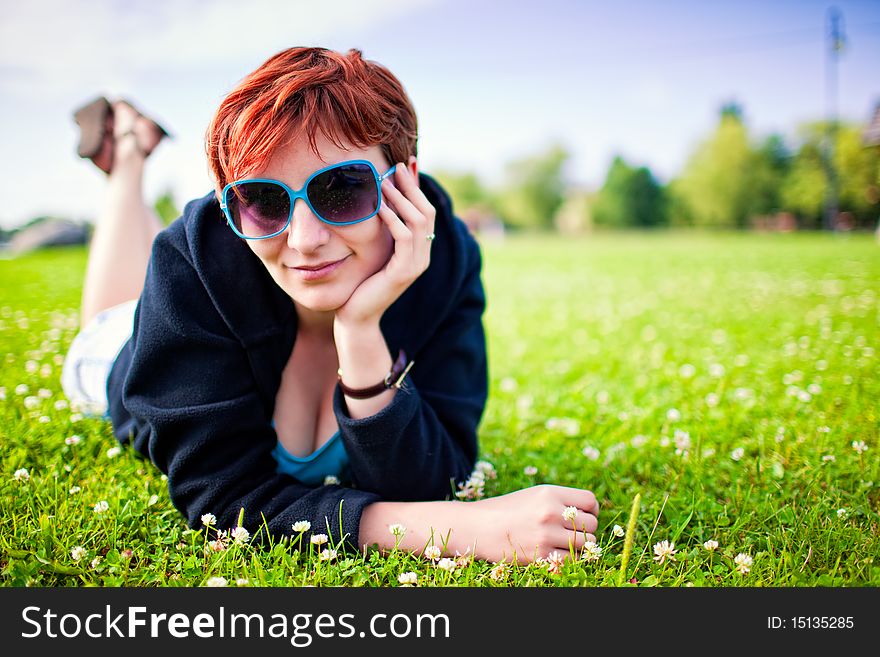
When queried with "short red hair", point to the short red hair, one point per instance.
{"points": [[303, 90]]}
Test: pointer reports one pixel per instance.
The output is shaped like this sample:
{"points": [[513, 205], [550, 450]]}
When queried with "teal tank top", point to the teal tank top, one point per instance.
{"points": [[329, 459]]}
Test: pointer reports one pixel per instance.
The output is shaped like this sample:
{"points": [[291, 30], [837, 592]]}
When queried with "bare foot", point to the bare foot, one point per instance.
{"points": [[135, 135]]}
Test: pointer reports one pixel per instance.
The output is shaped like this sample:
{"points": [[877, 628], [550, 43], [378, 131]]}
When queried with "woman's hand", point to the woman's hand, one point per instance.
{"points": [[527, 524], [410, 225]]}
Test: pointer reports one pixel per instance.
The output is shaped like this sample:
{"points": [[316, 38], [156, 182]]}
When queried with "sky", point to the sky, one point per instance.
{"points": [[491, 81]]}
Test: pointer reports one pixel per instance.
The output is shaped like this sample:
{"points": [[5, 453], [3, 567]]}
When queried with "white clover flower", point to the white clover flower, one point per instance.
{"points": [[397, 529], [44, 393], [408, 579], [74, 490], [711, 545], [331, 480], [60, 404], [446, 564], [743, 563], [22, 389], [101, 506], [618, 531], [44, 419], [31, 366], [114, 451], [828, 458], [302, 526], [638, 441], [673, 415], [590, 452], [554, 562], [432, 553], [31, 402], [76, 417], [21, 474], [712, 400], [530, 471], [508, 384], [208, 519], [94, 563], [859, 446], [240, 535], [814, 388], [664, 550], [591, 551], [327, 554], [241, 581], [602, 397], [319, 539], [73, 440], [716, 370], [153, 499], [78, 553], [843, 514], [569, 513], [217, 545], [686, 371], [498, 571], [737, 454], [486, 469], [2, 393], [682, 442], [216, 582]]}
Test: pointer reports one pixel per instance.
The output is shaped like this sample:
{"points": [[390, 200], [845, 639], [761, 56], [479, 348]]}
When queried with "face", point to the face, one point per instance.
{"points": [[363, 248]]}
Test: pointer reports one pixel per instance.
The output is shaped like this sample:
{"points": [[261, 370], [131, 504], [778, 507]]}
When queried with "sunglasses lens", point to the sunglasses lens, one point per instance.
{"points": [[258, 208], [344, 194]]}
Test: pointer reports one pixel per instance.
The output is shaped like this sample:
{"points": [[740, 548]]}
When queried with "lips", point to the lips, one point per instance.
{"points": [[318, 266]]}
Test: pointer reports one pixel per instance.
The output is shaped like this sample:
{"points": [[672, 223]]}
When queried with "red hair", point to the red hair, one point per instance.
{"points": [[303, 90]]}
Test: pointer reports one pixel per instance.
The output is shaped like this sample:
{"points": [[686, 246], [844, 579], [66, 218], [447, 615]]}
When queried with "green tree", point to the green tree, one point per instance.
{"points": [[534, 189], [806, 185], [466, 189], [714, 188], [630, 197], [166, 208]]}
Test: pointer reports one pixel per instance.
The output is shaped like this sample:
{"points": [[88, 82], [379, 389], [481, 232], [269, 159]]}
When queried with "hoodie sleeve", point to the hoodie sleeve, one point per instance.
{"points": [[425, 441], [197, 413]]}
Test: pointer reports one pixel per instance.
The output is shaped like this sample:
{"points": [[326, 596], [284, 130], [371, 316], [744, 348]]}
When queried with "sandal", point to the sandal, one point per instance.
{"points": [[162, 131], [95, 120], [96, 123]]}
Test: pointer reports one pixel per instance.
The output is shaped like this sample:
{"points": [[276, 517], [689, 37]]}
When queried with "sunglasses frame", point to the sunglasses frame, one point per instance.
{"points": [[301, 193]]}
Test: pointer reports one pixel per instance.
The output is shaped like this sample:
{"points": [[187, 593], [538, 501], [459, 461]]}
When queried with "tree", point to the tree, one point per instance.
{"points": [[714, 188], [534, 189], [166, 208], [804, 188], [466, 189], [630, 197]]}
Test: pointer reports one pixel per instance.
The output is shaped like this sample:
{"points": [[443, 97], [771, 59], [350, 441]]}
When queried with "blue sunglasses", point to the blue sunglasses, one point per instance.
{"points": [[342, 194]]}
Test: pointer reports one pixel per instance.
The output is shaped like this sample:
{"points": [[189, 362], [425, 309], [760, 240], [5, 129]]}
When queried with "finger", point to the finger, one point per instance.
{"points": [[408, 184], [583, 522], [582, 499], [414, 218]]}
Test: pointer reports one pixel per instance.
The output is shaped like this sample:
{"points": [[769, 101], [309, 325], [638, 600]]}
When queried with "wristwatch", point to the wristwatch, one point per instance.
{"points": [[394, 378]]}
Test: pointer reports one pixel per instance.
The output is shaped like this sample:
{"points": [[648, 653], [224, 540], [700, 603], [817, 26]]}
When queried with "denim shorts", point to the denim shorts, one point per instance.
{"points": [[91, 356]]}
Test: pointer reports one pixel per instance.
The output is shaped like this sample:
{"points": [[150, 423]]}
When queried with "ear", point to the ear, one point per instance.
{"points": [[413, 166]]}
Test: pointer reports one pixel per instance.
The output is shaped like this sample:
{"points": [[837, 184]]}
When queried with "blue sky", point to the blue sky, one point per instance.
{"points": [[491, 81]]}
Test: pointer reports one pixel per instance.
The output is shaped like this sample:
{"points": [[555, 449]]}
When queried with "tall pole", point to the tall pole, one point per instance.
{"points": [[835, 46]]}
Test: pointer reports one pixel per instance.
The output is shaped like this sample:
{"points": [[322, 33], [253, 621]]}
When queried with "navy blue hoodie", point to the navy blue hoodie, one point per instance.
{"points": [[194, 389]]}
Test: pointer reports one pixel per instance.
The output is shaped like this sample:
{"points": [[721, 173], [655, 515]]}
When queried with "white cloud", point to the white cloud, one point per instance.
{"points": [[50, 47]]}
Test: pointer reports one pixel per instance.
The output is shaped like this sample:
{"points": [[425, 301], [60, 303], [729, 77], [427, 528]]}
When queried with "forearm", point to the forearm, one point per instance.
{"points": [[364, 360], [449, 525]]}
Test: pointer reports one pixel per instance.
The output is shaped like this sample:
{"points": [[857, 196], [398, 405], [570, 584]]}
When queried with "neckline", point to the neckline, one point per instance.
{"points": [[313, 455]]}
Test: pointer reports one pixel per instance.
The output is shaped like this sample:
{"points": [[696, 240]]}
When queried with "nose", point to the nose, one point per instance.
{"points": [[306, 233]]}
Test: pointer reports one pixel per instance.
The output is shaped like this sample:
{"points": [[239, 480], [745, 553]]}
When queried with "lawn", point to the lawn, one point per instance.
{"points": [[731, 381]]}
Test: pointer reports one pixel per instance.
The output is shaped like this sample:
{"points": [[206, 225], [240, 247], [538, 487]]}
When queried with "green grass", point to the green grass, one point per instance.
{"points": [[761, 347]]}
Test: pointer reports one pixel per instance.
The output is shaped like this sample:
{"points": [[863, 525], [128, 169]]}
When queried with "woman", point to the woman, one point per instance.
{"points": [[321, 360]]}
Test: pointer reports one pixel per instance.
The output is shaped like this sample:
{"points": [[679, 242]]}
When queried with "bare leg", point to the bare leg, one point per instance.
{"points": [[125, 229]]}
